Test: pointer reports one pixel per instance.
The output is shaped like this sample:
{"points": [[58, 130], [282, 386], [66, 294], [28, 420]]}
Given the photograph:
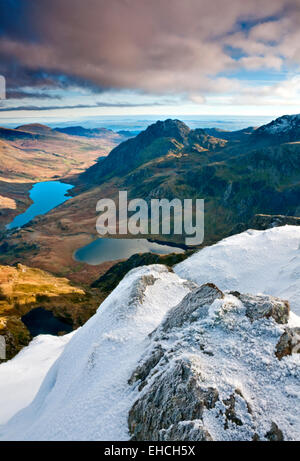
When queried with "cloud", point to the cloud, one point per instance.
{"points": [[286, 92], [167, 46], [261, 62], [77, 106], [21, 94]]}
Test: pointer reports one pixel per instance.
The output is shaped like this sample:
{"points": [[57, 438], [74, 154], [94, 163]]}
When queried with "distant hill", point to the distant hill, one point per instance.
{"points": [[87, 132], [35, 128], [128, 133], [94, 133], [37, 152], [33, 153], [236, 179], [8, 134]]}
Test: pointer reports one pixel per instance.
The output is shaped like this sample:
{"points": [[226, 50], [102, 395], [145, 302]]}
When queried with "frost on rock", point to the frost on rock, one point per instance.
{"points": [[211, 372], [174, 397], [195, 304], [258, 307]]}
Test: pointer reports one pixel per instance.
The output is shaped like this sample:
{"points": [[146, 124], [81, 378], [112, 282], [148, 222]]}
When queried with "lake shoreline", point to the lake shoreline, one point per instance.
{"points": [[44, 197], [120, 249]]}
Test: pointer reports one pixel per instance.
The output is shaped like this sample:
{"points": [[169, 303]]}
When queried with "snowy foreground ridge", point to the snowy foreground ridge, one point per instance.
{"points": [[169, 359], [252, 262]]}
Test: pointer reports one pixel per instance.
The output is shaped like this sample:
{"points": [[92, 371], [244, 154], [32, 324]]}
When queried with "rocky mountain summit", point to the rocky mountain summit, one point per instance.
{"points": [[167, 357], [158, 140], [283, 129]]}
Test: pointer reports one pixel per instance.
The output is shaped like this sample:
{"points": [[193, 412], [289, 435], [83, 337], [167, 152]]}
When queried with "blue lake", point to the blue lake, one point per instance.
{"points": [[45, 196], [42, 322], [106, 249]]}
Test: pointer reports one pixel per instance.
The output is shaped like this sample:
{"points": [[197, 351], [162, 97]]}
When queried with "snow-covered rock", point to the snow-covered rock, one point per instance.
{"points": [[282, 130], [211, 373], [252, 262]]}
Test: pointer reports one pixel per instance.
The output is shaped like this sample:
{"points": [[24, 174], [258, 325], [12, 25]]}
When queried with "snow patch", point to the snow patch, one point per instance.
{"points": [[21, 377], [281, 125]]}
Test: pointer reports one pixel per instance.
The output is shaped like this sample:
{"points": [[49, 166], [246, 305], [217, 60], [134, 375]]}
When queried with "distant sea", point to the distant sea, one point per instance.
{"points": [[139, 123]]}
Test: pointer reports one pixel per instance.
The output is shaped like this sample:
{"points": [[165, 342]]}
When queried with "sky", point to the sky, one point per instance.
{"points": [[64, 59]]}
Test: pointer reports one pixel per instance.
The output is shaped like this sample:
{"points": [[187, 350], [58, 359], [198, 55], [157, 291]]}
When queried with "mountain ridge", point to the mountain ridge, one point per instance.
{"points": [[281, 130], [158, 140]]}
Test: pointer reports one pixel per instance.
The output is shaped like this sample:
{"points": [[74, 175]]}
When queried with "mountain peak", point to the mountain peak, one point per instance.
{"points": [[286, 127], [171, 128], [156, 141]]}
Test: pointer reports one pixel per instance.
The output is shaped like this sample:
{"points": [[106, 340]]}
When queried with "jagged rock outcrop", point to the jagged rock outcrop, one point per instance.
{"points": [[174, 397], [258, 307], [274, 434], [194, 304], [208, 366]]}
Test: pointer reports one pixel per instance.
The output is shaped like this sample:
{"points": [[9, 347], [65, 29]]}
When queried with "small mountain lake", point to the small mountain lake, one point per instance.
{"points": [[106, 249], [39, 321], [45, 196]]}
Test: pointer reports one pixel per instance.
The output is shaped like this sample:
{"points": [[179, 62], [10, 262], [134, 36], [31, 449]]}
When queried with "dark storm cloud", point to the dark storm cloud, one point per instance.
{"points": [[158, 45]]}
